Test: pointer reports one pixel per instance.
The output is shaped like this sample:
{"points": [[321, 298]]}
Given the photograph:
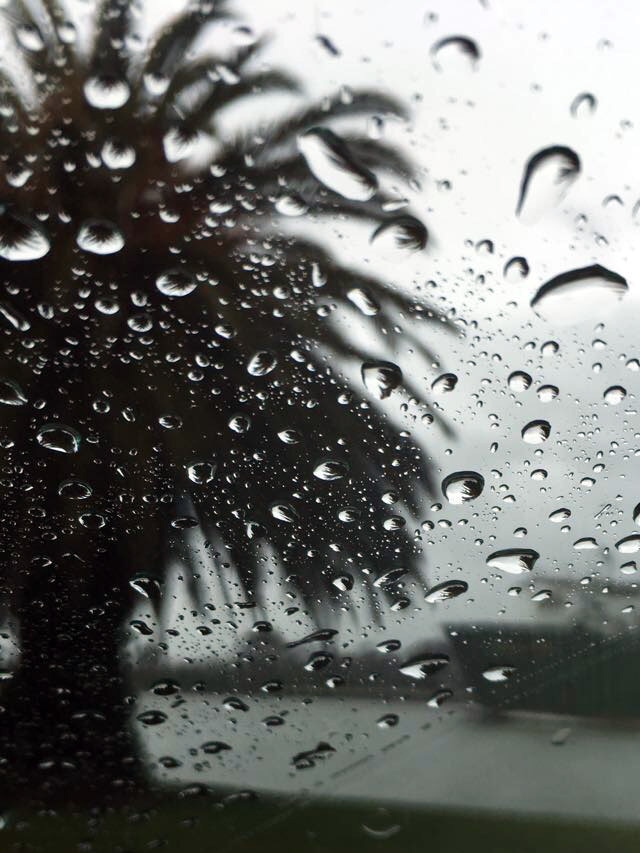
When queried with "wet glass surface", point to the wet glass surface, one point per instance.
{"points": [[318, 426]]}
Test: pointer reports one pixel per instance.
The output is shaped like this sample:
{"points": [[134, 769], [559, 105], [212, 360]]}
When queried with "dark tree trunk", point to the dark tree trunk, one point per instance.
{"points": [[64, 733]]}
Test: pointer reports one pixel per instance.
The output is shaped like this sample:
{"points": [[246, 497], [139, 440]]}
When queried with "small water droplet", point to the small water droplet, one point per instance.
{"points": [[499, 674], [455, 52]]}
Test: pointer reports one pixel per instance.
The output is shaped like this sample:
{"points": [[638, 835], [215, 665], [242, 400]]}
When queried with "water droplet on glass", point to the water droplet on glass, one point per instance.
{"points": [[519, 381], [201, 472], [364, 301], [29, 38], [614, 395], [330, 470], [462, 486], [516, 269], [446, 591], [332, 163], [100, 237], [455, 52], [58, 437], [261, 363], [118, 155], [20, 239], [499, 674], [75, 490], [445, 383], [583, 105], [580, 294], [381, 377], [214, 747], [291, 205], [152, 718], [11, 394], [176, 283], [547, 393], [629, 545], [547, 177], [424, 666], [104, 92], [536, 432], [559, 515], [401, 234], [513, 561]]}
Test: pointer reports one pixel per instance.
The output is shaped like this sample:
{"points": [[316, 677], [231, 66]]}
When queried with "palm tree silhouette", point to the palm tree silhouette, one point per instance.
{"points": [[167, 361]]}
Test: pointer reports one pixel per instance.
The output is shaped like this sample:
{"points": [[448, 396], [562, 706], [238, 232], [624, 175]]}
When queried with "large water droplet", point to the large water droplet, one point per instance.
{"points": [[581, 294], [499, 674], [118, 155], [455, 52], [364, 301], [513, 561], [201, 472], [446, 591], [516, 269], [614, 395], [402, 233], [176, 282], [58, 437], [105, 92], [381, 377], [20, 239], [548, 175], [444, 384], [536, 432], [331, 470], [629, 545], [261, 363], [519, 381], [462, 486], [424, 666], [100, 237], [11, 394], [329, 159]]}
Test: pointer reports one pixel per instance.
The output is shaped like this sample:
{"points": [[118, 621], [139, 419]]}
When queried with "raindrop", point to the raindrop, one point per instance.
{"points": [[284, 512], [548, 175], [261, 363], [536, 432], [100, 237], [118, 155], [513, 561], [152, 718], [322, 635], [519, 381], [291, 205], [105, 92], [58, 437], [547, 393], [580, 294], [29, 38], [614, 395], [179, 143], [329, 159], [560, 515], [424, 666], [317, 661], [331, 470], [445, 383], [201, 472], [462, 486], [364, 301], [214, 747], [381, 377], [387, 647], [446, 591], [499, 674], [11, 394], [75, 490], [583, 105], [439, 698], [176, 283], [388, 721], [403, 233], [290, 436], [629, 545], [447, 53], [20, 239], [516, 269]]}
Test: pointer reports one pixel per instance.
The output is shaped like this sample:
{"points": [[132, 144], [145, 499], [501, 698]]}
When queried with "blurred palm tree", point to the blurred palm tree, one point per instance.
{"points": [[168, 360]]}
